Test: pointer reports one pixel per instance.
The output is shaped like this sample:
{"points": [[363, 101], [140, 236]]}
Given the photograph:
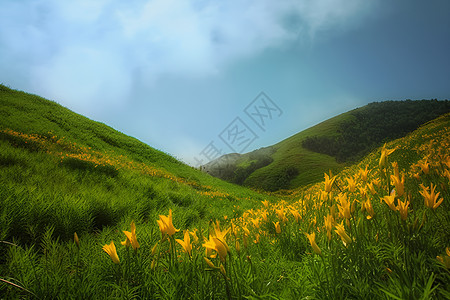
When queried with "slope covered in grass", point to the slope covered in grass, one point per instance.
{"points": [[302, 158], [63, 170]]}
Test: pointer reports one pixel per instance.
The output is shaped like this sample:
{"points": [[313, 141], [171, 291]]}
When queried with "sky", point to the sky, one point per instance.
{"points": [[201, 78]]}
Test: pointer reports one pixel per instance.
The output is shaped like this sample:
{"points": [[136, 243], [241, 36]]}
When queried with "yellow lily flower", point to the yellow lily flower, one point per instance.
{"points": [[186, 243], [329, 225], [165, 224], [209, 263], [131, 237], [340, 230], [445, 259], [344, 207], [255, 222], [384, 154], [111, 250], [425, 166], [280, 214], [194, 235], [351, 186], [403, 209], [390, 201], [220, 246], [329, 182], [296, 215], [153, 251], [277, 227], [264, 216], [220, 234], [127, 241], [431, 198], [76, 240], [364, 173], [395, 166], [312, 240], [368, 207], [399, 184], [371, 188], [238, 246]]}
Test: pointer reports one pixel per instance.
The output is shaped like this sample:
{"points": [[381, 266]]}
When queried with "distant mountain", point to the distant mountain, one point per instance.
{"points": [[303, 158]]}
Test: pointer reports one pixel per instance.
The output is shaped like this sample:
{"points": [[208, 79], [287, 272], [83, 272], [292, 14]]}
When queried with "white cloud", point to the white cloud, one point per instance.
{"points": [[77, 50]]}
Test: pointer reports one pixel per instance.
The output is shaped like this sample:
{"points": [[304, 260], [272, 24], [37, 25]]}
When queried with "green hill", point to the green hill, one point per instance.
{"points": [[331, 145], [61, 169]]}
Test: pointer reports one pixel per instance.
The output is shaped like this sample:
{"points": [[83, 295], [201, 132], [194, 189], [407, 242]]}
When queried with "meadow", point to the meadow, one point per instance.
{"points": [[82, 220]]}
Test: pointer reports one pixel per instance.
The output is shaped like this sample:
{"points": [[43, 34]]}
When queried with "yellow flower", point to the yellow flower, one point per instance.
{"points": [[368, 207], [255, 222], [76, 240], [296, 215], [265, 203], [363, 193], [363, 173], [390, 201], [395, 166], [329, 225], [371, 188], [431, 198], [209, 263], [238, 246], [329, 182], [257, 236], [312, 240], [165, 224], [340, 230], [220, 234], [277, 227], [131, 237], [425, 166], [220, 246], [445, 259], [264, 216], [222, 270], [194, 235], [111, 250], [344, 207], [186, 243], [402, 207], [351, 186], [280, 214], [399, 184], [127, 241], [384, 154], [153, 251]]}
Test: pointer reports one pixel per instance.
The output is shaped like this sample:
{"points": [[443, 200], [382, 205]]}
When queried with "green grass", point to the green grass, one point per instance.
{"points": [[70, 180]]}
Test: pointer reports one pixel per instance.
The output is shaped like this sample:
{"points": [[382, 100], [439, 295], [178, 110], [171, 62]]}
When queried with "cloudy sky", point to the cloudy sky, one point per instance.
{"points": [[182, 75]]}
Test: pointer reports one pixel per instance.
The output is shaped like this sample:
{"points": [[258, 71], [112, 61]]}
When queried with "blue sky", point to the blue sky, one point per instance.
{"points": [[175, 74]]}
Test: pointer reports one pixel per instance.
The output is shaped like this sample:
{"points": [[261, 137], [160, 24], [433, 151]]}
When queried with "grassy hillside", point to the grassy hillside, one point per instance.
{"points": [[149, 227], [302, 158], [63, 170]]}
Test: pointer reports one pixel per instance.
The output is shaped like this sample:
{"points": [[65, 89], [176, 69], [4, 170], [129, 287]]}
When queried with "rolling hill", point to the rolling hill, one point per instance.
{"points": [[331, 145], [76, 174]]}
